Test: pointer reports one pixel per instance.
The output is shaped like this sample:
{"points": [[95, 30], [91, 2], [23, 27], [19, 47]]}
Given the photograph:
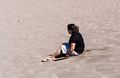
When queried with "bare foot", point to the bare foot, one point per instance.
{"points": [[49, 58]]}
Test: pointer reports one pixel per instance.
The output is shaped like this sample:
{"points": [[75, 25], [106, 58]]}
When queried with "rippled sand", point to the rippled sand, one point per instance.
{"points": [[32, 29]]}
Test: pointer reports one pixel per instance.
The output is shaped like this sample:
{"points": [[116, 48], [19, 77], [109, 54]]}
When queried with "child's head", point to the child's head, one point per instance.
{"points": [[72, 28]]}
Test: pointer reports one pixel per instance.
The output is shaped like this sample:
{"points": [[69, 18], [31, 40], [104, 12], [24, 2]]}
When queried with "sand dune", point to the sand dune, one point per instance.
{"points": [[31, 29]]}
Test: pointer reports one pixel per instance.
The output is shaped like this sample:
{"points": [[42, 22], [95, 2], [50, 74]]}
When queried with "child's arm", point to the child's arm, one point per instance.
{"points": [[71, 49]]}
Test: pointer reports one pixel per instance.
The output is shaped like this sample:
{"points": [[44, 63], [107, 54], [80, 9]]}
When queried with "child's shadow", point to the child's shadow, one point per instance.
{"points": [[64, 57], [61, 57]]}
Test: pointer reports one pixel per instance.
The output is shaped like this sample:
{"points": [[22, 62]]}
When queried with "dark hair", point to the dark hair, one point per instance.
{"points": [[73, 28]]}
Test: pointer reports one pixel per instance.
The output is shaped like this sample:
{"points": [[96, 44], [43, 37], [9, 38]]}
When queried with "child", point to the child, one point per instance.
{"points": [[75, 46]]}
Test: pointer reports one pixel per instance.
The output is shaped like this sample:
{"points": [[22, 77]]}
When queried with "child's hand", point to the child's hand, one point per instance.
{"points": [[68, 54]]}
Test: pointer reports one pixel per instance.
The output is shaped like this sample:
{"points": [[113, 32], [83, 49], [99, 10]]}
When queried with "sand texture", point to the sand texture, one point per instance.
{"points": [[32, 29]]}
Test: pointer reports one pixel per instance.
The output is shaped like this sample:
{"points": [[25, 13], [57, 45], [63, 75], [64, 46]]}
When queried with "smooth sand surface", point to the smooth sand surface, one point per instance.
{"points": [[32, 29]]}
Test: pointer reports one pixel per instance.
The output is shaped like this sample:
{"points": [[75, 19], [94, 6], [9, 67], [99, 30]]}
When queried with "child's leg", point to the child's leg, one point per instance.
{"points": [[62, 50], [57, 53]]}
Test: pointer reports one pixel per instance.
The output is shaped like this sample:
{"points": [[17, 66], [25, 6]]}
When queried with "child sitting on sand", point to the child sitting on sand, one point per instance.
{"points": [[75, 46]]}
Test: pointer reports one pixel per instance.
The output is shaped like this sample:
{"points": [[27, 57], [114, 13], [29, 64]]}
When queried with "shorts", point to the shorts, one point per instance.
{"points": [[64, 49]]}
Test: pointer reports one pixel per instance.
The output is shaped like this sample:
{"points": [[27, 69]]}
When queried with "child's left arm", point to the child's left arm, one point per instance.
{"points": [[71, 49]]}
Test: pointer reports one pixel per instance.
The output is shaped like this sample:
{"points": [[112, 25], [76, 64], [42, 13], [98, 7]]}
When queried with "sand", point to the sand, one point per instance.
{"points": [[32, 29]]}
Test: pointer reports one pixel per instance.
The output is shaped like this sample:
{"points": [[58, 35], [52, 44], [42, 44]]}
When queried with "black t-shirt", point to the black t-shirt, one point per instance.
{"points": [[78, 40]]}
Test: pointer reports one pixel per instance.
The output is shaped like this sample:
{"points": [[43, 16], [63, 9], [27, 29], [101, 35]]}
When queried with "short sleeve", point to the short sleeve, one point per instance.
{"points": [[72, 39]]}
